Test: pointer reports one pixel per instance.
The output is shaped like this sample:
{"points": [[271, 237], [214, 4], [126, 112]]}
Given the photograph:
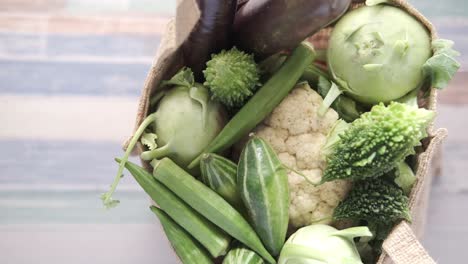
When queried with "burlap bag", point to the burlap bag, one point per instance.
{"points": [[402, 245]]}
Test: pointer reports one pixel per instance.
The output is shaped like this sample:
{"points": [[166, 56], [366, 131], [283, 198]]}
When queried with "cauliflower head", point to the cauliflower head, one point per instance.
{"points": [[297, 133]]}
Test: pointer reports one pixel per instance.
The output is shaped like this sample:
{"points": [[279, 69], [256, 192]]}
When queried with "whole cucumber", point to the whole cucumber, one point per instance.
{"points": [[265, 27], [263, 184]]}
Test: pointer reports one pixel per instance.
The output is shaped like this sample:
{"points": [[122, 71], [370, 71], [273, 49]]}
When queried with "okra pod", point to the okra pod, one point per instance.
{"points": [[210, 236], [186, 248], [209, 204]]}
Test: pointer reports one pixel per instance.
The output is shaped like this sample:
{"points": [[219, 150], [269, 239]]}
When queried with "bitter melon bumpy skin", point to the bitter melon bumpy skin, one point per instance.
{"points": [[377, 141]]}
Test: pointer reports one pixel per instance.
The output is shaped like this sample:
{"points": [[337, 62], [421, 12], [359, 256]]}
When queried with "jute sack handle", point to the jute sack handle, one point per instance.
{"points": [[402, 245]]}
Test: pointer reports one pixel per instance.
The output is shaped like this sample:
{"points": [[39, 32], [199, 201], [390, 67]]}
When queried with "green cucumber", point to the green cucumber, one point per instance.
{"points": [[220, 174], [263, 184], [263, 102], [210, 236], [242, 255], [187, 249], [209, 204]]}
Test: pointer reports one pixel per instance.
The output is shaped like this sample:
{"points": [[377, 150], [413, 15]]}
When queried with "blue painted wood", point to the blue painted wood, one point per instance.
{"points": [[115, 45], [81, 78], [60, 162]]}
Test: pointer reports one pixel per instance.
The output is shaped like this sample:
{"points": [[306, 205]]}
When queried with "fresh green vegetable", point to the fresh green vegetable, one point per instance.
{"points": [[263, 102], [405, 177], [442, 66], [186, 248], [317, 244], [378, 201], [242, 255], [210, 236], [272, 64], [220, 174], [263, 184], [376, 142], [232, 77], [380, 204], [185, 121], [312, 75], [346, 107], [209, 204], [376, 53]]}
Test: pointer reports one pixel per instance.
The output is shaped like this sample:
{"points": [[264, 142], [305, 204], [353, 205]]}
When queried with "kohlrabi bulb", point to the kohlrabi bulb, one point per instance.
{"points": [[320, 244], [376, 53], [232, 77], [186, 120]]}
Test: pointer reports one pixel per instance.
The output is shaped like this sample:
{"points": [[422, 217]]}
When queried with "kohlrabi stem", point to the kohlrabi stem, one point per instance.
{"points": [[156, 153], [332, 94], [107, 197]]}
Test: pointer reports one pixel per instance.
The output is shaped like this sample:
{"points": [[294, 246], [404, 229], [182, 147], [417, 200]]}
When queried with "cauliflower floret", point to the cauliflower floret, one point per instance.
{"points": [[297, 133]]}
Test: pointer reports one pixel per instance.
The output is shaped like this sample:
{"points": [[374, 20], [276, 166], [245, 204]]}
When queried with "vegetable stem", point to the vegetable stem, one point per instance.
{"points": [[156, 153], [107, 197]]}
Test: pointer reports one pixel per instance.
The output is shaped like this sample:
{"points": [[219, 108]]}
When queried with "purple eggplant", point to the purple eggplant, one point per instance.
{"points": [[211, 32], [265, 27]]}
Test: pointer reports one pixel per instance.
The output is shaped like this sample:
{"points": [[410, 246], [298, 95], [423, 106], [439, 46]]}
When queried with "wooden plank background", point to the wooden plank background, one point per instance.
{"points": [[70, 76]]}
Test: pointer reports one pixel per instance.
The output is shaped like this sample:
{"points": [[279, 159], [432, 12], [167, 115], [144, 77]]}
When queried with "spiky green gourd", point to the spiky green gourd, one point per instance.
{"points": [[377, 141], [378, 201], [232, 76]]}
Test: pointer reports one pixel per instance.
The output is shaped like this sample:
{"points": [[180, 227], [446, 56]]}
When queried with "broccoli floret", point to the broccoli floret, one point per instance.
{"points": [[232, 77], [376, 142], [377, 201]]}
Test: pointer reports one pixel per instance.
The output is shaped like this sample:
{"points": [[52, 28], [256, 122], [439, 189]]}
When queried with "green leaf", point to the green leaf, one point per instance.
{"points": [[183, 78], [442, 66], [149, 140], [405, 177]]}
